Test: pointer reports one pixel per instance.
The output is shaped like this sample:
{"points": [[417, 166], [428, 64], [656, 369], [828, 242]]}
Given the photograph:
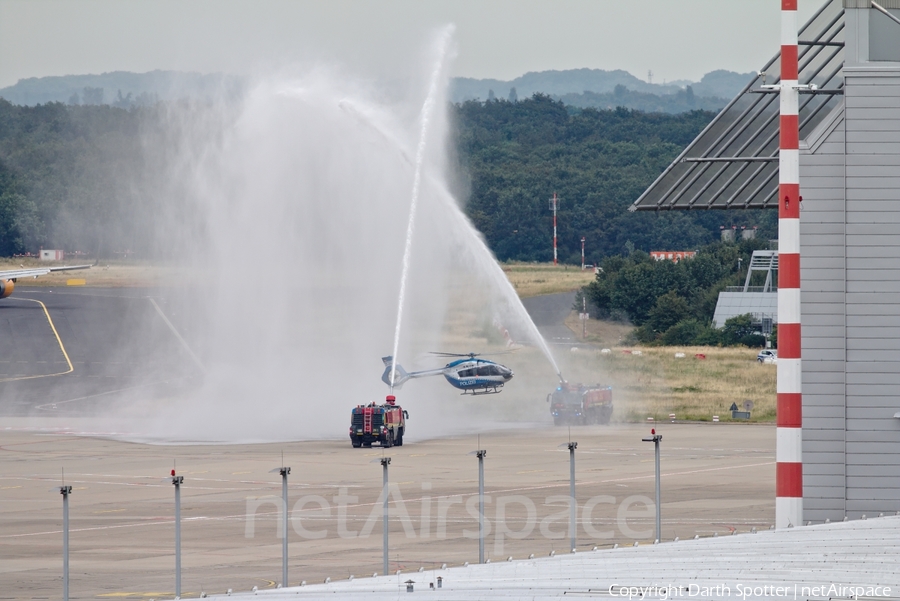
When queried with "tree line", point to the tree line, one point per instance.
{"points": [[93, 178], [516, 155], [673, 303], [67, 176]]}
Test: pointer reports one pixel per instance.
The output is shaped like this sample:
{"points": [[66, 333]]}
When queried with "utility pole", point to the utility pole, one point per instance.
{"points": [[573, 508], [655, 438], [480, 453], [65, 491], [284, 471], [584, 316], [554, 204], [385, 462], [177, 481]]}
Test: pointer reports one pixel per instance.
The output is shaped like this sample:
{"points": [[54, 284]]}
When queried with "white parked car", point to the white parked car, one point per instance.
{"points": [[767, 356]]}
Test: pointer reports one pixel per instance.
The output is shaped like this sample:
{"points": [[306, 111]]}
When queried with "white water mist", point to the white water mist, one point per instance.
{"points": [[485, 263], [303, 197], [427, 109]]}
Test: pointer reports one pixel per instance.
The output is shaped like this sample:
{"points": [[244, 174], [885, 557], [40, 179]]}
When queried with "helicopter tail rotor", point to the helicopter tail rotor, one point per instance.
{"points": [[394, 375]]}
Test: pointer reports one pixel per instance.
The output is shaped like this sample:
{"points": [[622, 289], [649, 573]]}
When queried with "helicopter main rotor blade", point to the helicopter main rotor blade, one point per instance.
{"points": [[472, 355]]}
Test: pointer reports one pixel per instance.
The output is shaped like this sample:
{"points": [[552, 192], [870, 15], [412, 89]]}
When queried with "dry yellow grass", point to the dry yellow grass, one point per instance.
{"points": [[653, 382], [528, 279], [696, 389], [112, 274], [534, 279], [656, 383]]}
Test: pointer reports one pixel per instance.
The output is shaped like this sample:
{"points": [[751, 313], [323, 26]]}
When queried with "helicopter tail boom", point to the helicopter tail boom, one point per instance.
{"points": [[400, 375]]}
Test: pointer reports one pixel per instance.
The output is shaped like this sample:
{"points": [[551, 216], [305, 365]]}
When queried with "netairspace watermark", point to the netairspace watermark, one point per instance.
{"points": [[506, 516], [749, 591]]}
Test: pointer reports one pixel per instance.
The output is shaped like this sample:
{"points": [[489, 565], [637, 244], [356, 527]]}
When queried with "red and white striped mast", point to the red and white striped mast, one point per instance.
{"points": [[788, 448], [554, 202]]}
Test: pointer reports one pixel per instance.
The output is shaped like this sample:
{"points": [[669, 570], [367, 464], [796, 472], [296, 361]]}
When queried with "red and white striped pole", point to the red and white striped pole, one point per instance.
{"points": [[553, 204], [788, 448]]}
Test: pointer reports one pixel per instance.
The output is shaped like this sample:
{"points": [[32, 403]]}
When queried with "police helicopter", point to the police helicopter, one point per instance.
{"points": [[469, 374]]}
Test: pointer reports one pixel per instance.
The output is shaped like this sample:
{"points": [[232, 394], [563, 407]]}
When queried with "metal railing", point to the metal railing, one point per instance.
{"points": [[750, 289]]}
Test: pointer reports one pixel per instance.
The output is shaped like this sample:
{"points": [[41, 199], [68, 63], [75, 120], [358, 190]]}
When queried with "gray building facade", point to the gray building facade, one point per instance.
{"points": [[850, 281]]}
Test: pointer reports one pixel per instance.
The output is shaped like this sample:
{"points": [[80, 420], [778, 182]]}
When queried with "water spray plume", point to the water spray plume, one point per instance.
{"points": [[487, 263], [297, 196], [474, 244], [424, 120]]}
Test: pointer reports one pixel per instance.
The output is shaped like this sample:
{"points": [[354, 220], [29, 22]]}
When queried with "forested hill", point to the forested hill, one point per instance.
{"points": [[518, 154], [582, 88], [68, 177], [93, 178], [719, 84]]}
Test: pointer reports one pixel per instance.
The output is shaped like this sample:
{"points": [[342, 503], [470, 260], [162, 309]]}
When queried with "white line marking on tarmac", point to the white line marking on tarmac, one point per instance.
{"points": [[52, 406], [58, 340]]}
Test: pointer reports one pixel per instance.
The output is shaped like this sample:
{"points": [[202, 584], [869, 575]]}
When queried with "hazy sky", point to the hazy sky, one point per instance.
{"points": [[676, 39]]}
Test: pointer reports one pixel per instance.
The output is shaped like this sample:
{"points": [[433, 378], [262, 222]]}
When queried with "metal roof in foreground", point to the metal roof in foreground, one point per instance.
{"points": [[863, 554], [733, 163]]}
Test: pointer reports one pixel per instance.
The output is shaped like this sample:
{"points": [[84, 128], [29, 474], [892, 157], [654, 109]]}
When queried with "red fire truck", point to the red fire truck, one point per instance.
{"points": [[580, 404], [384, 424]]}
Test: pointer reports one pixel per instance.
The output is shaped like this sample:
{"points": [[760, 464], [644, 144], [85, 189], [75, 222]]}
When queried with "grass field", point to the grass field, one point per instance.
{"points": [[705, 382], [529, 279], [646, 382], [105, 274], [534, 279], [656, 383]]}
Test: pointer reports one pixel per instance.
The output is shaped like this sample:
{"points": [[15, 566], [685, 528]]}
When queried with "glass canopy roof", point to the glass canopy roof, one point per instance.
{"points": [[733, 163]]}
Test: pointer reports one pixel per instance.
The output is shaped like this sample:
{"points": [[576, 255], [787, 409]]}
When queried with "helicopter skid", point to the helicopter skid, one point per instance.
{"points": [[483, 391]]}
